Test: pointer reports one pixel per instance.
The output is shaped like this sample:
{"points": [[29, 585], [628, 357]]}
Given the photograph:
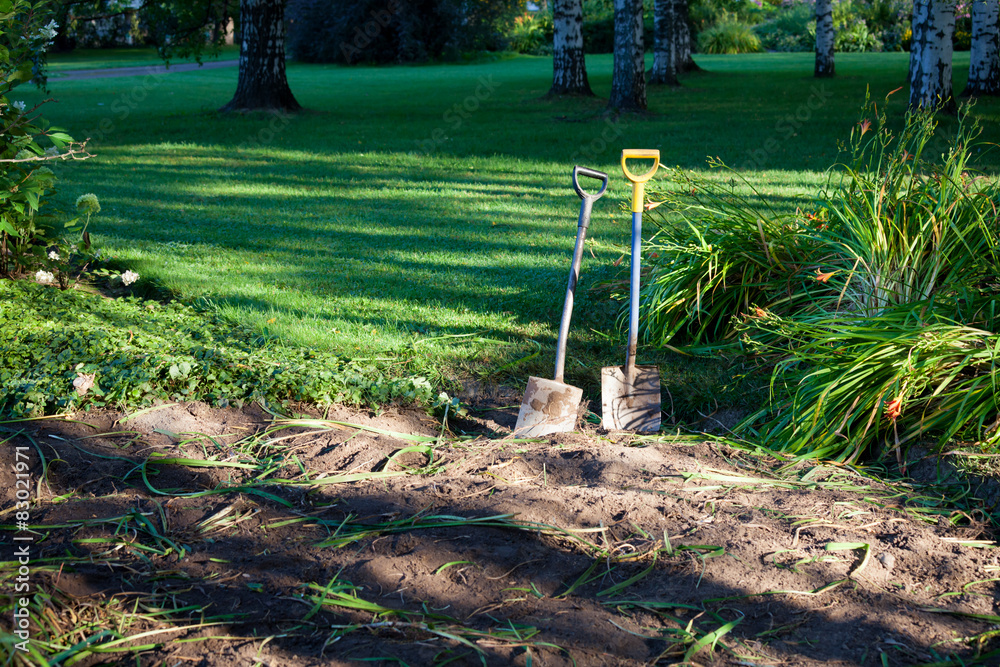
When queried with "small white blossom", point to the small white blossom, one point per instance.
{"points": [[47, 32], [19, 105], [129, 277], [54, 256], [44, 277], [72, 248]]}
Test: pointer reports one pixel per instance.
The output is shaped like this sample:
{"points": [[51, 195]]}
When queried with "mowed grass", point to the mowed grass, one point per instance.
{"points": [[431, 206]]}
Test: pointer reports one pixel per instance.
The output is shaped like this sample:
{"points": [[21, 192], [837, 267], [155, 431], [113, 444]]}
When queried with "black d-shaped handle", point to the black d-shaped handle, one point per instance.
{"points": [[592, 173]]}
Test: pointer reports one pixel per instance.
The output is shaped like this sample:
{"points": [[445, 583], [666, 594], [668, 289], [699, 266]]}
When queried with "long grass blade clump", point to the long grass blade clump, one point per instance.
{"points": [[876, 310]]}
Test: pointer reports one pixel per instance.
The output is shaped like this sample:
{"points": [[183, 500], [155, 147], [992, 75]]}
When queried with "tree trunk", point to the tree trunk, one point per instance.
{"points": [[666, 44], [262, 84], [984, 64], [569, 70], [824, 39], [628, 80], [930, 54], [685, 63]]}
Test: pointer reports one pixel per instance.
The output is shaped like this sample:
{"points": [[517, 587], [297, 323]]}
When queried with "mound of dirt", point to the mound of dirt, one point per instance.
{"points": [[236, 539]]}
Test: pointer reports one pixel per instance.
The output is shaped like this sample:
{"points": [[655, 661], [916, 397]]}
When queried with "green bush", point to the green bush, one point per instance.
{"points": [[531, 34], [879, 310], [27, 142], [791, 29], [729, 36]]}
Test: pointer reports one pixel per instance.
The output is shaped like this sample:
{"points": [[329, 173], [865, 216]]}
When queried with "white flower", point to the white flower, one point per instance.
{"points": [[53, 255], [72, 248], [47, 32], [129, 277], [19, 105], [44, 277]]}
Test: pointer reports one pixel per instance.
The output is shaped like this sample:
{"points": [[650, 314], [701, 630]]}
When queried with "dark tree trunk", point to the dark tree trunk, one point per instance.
{"points": [[685, 63], [569, 70], [628, 80], [930, 54], [824, 39], [666, 43], [262, 84], [984, 59]]}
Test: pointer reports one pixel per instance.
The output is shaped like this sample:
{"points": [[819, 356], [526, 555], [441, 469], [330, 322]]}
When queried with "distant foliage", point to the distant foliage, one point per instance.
{"points": [[394, 31], [729, 36]]}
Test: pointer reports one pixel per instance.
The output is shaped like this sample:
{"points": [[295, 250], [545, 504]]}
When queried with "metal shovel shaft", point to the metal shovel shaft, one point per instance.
{"points": [[633, 307], [586, 205]]}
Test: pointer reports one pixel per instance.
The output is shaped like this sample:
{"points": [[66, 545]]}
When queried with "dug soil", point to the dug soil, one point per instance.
{"points": [[392, 541]]}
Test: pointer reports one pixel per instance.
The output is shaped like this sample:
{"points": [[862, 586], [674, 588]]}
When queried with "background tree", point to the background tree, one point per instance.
{"points": [[685, 62], [824, 39], [668, 25], [930, 54], [262, 83], [984, 56], [628, 81], [569, 69]]}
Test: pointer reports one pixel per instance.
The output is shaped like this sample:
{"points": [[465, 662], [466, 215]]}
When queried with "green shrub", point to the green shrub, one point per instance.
{"points": [[531, 34], [27, 142], [791, 29], [879, 312], [729, 36]]}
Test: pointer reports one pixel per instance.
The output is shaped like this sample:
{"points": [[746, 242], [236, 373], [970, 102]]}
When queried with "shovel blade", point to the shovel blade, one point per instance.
{"points": [[642, 412], [548, 407]]}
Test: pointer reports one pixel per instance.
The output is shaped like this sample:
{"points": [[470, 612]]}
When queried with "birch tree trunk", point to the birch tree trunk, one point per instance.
{"points": [[930, 54], [262, 84], [984, 64], [569, 70], [666, 42], [824, 39], [628, 80], [685, 63]]}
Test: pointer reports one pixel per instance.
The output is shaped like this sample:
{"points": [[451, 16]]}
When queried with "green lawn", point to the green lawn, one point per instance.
{"points": [[125, 57], [382, 217]]}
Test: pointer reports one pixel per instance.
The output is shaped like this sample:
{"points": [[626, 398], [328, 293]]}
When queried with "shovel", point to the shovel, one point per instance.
{"points": [[550, 406], [630, 395]]}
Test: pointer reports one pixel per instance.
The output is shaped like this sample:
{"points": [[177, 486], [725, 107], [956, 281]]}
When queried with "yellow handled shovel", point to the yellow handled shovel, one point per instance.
{"points": [[630, 394]]}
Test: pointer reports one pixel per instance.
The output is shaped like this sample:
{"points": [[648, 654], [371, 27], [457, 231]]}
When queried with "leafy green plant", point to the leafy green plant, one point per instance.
{"points": [[531, 33], [25, 181], [729, 36], [59, 351], [877, 312]]}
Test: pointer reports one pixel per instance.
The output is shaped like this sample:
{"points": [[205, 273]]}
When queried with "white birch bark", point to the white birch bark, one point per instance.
{"points": [[824, 39], [666, 42], [930, 54], [984, 63], [569, 69], [628, 80]]}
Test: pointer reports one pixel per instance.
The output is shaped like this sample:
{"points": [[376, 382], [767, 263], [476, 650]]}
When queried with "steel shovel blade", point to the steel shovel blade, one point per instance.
{"points": [[548, 407], [642, 413]]}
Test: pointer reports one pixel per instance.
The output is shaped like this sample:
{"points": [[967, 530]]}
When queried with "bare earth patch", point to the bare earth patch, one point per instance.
{"points": [[227, 537]]}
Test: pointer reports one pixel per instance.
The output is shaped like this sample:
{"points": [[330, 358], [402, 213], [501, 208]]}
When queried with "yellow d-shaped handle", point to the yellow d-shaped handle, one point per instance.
{"points": [[639, 182]]}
